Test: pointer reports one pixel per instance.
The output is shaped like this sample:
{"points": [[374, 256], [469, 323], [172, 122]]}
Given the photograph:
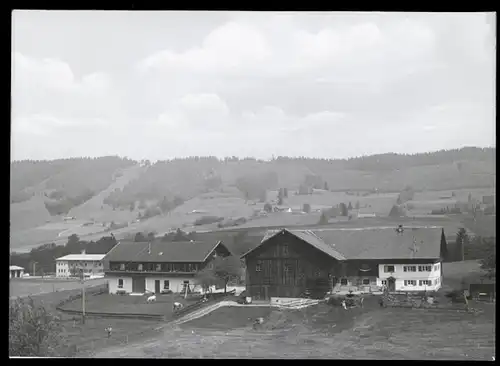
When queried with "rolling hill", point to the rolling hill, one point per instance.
{"points": [[165, 193]]}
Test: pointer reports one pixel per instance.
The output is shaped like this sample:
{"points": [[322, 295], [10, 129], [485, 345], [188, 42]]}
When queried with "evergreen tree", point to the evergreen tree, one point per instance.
{"points": [[444, 248]]}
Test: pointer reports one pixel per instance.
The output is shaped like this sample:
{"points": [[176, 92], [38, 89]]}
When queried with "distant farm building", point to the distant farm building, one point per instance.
{"points": [[16, 271], [74, 265], [489, 200]]}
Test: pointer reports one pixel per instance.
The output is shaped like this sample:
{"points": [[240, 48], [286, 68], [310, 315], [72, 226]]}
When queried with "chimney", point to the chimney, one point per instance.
{"points": [[83, 251]]}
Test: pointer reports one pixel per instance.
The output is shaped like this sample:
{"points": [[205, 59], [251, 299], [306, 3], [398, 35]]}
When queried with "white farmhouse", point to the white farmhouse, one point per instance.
{"points": [[71, 265]]}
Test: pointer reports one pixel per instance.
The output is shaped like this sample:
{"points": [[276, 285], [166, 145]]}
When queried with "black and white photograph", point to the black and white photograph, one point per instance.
{"points": [[253, 185]]}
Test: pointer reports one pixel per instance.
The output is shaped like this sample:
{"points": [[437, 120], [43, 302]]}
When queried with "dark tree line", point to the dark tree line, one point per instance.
{"points": [[43, 258]]}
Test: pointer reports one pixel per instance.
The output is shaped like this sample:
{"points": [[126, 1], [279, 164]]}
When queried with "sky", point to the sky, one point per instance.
{"points": [[159, 85]]}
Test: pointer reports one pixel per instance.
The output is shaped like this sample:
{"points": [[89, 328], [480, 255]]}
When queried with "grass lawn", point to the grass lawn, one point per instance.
{"points": [[29, 287], [323, 331], [125, 304]]}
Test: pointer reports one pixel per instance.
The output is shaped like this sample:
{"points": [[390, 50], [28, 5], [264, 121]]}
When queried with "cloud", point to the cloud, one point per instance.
{"points": [[323, 84]]}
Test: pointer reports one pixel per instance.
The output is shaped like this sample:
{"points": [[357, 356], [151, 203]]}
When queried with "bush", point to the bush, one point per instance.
{"points": [[33, 331]]}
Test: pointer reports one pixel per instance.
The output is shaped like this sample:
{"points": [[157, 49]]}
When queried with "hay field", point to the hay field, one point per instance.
{"points": [[326, 332]]}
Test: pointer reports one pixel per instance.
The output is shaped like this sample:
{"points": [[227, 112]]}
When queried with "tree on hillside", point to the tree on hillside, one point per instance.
{"points": [[326, 187], [73, 241], [350, 206], [142, 205], [226, 269], [357, 205], [285, 192], [139, 237], [461, 242], [268, 208], [33, 331], [443, 247], [396, 211], [488, 262], [132, 206], [343, 209], [280, 197], [323, 220], [469, 198], [151, 236]]}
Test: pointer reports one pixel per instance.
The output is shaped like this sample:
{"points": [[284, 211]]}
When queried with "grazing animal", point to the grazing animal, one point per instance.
{"points": [[151, 298], [177, 306]]}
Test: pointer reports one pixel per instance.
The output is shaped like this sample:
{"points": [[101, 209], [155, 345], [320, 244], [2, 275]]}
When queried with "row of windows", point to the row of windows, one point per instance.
{"points": [[62, 270], [86, 264], [421, 268], [166, 283], [160, 267]]}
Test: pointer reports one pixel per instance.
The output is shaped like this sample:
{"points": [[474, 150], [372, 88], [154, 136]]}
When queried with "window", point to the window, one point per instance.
{"points": [[190, 267], [139, 267], [169, 267], [384, 282], [424, 268], [409, 268], [410, 282], [287, 268], [210, 266], [366, 281], [388, 269], [122, 266], [258, 267], [85, 264], [158, 267], [317, 273], [343, 281], [285, 249], [436, 267], [166, 284], [120, 283], [425, 283]]}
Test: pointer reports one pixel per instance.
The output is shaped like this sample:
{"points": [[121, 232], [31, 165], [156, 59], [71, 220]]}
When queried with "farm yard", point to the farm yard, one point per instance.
{"points": [[126, 304], [323, 331]]}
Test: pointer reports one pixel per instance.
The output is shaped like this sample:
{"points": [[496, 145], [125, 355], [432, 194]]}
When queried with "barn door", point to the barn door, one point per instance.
{"points": [[138, 285]]}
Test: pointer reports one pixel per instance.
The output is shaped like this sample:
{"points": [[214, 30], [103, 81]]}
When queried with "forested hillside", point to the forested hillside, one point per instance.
{"points": [[67, 183], [63, 183]]}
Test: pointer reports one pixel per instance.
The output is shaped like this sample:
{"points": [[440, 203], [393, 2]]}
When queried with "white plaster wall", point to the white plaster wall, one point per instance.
{"points": [[176, 283], [401, 276], [113, 284]]}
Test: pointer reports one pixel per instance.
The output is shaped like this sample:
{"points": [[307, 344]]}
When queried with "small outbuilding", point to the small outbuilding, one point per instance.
{"points": [[16, 272]]}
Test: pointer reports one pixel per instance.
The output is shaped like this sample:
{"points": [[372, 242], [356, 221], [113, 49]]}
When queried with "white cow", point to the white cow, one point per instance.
{"points": [[177, 306], [151, 298]]}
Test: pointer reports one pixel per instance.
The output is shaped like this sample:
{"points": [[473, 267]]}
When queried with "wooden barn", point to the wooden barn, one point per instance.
{"points": [[287, 264]]}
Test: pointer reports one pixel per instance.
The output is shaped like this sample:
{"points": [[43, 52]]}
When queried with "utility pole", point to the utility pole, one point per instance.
{"points": [[83, 296]]}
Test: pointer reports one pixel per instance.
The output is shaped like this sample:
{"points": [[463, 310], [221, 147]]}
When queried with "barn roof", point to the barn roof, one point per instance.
{"points": [[371, 243], [161, 251]]}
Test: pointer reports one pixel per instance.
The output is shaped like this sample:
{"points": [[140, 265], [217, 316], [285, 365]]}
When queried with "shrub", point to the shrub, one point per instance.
{"points": [[33, 331]]}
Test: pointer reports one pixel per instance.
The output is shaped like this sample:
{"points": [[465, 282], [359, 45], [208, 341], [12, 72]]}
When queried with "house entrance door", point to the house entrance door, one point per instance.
{"points": [[157, 286], [391, 284]]}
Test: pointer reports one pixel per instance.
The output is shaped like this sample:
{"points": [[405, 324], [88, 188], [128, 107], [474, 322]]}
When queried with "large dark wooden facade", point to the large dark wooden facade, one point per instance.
{"points": [[286, 266]]}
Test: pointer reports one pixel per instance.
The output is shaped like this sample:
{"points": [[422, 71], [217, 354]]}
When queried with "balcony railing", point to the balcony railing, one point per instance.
{"points": [[146, 271]]}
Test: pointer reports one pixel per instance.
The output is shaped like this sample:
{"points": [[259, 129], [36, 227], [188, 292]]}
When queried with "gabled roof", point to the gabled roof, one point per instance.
{"points": [[15, 268], [370, 243], [82, 257], [161, 252]]}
